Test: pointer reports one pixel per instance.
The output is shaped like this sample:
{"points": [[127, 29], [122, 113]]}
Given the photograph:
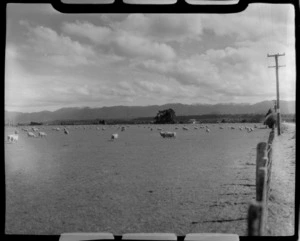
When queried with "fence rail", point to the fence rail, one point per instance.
{"points": [[258, 209]]}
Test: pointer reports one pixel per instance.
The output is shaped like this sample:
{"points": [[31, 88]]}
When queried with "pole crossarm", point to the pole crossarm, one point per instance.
{"points": [[272, 55], [276, 66]]}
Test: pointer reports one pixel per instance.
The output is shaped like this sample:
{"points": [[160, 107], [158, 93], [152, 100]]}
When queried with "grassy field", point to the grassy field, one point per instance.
{"points": [[141, 182]]}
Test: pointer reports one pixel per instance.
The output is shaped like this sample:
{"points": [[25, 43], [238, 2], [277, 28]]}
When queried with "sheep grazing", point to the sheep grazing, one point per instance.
{"points": [[42, 134], [185, 128], [249, 129], [159, 129], [34, 129], [207, 130], [114, 136], [122, 128], [16, 132], [168, 134], [13, 138], [30, 134], [66, 131], [221, 127]]}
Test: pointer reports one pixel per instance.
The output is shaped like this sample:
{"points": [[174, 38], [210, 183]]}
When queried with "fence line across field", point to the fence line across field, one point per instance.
{"points": [[258, 209]]}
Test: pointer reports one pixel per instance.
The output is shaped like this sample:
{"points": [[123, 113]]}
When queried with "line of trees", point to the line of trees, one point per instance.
{"points": [[168, 116]]}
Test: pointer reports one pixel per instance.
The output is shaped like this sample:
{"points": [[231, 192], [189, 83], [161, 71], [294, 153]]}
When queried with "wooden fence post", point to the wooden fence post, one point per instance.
{"points": [[261, 188], [255, 219], [270, 158], [257, 212], [261, 162], [271, 137], [269, 167]]}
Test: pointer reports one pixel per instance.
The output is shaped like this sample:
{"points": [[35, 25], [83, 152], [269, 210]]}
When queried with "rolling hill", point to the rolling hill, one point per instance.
{"points": [[131, 112]]}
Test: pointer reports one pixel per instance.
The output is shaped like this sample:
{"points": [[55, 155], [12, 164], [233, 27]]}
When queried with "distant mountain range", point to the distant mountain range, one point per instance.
{"points": [[131, 112]]}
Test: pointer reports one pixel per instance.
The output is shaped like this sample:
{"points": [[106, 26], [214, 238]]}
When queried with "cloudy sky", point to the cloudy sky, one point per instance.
{"points": [[56, 60]]}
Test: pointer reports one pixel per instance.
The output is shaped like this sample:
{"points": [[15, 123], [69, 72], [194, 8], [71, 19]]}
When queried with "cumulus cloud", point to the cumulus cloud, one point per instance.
{"points": [[150, 58], [240, 71], [192, 71], [257, 22], [120, 42], [57, 49], [97, 34], [132, 46], [156, 90], [163, 27]]}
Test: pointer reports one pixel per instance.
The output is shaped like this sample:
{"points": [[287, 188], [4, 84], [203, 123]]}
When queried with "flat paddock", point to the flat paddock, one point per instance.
{"points": [[141, 182]]}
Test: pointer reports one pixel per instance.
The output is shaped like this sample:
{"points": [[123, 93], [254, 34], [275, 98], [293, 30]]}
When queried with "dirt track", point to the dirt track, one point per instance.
{"points": [[281, 206]]}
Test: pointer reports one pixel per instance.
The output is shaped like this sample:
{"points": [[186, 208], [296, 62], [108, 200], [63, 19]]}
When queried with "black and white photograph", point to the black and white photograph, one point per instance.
{"points": [[136, 123]]}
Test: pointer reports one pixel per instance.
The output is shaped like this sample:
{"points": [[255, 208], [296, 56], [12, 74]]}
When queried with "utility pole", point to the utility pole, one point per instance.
{"points": [[277, 86]]}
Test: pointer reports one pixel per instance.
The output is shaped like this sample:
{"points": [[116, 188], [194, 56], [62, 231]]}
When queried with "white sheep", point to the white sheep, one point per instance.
{"points": [[168, 134], [66, 131], [114, 136], [13, 137], [250, 129], [207, 130], [30, 134], [42, 134], [185, 128]]}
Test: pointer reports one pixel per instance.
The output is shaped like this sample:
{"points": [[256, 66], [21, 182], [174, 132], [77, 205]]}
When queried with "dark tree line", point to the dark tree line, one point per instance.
{"points": [[165, 117]]}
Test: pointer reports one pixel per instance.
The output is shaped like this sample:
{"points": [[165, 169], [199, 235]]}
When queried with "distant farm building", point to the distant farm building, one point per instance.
{"points": [[192, 121]]}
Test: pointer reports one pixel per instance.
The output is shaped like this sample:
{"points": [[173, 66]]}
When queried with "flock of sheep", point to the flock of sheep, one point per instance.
{"points": [[33, 132], [36, 132]]}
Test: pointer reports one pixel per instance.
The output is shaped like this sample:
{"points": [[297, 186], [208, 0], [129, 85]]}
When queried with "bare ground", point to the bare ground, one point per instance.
{"points": [[281, 206]]}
